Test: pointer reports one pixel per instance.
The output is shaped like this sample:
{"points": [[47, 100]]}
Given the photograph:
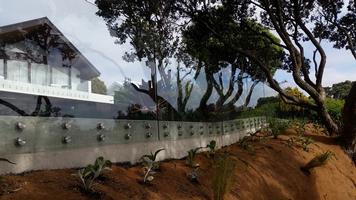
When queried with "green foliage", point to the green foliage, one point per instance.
{"points": [[267, 100], [150, 37], [273, 108], [299, 126], [317, 161], [245, 143], [339, 90], [305, 142], [91, 172], [98, 86], [211, 146], [288, 108], [320, 128], [335, 107], [302, 141], [223, 175], [150, 165], [190, 160], [291, 142], [277, 126], [269, 109], [218, 49], [150, 159]]}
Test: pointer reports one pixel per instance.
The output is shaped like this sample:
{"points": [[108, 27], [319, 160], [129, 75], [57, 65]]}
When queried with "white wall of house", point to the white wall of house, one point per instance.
{"points": [[50, 79]]}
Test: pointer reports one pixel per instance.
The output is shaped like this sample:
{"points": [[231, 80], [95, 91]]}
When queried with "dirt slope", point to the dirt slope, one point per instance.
{"points": [[271, 172]]}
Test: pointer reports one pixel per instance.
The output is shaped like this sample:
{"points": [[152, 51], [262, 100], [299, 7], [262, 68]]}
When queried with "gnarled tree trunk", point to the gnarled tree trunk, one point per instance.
{"points": [[209, 90], [349, 118], [331, 126]]}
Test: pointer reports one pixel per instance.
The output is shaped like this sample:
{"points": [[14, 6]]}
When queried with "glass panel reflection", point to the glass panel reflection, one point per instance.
{"points": [[119, 75]]}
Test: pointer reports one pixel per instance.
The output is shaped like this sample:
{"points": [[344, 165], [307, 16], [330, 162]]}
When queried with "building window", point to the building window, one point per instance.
{"points": [[2, 70], [17, 71], [60, 77], [39, 74]]}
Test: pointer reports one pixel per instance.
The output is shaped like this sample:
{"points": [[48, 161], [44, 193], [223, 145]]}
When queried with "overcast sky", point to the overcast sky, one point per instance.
{"points": [[88, 32]]}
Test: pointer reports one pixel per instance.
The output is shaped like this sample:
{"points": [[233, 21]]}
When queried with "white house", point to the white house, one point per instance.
{"points": [[36, 58]]}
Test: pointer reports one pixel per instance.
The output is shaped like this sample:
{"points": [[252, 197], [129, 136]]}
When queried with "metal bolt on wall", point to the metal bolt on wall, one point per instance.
{"points": [[34, 134]]}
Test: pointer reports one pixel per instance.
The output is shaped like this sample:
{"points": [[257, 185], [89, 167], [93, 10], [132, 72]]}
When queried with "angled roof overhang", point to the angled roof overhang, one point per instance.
{"points": [[18, 31]]}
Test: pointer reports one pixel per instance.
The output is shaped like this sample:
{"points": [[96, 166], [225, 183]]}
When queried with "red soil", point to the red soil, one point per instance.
{"points": [[272, 172]]}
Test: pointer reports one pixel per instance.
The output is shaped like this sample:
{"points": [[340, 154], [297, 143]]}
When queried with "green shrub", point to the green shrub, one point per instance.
{"points": [[211, 146], [320, 128], [150, 164], [301, 140], [190, 160], [299, 126], [91, 172], [317, 161], [277, 126], [223, 176], [335, 107], [245, 143], [305, 142]]}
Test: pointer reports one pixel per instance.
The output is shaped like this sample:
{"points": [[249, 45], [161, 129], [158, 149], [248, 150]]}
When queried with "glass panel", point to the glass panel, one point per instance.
{"points": [[39, 74], [2, 69], [17, 71], [60, 77], [107, 75]]}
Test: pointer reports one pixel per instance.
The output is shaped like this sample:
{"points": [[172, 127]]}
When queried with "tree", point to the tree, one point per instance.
{"points": [[183, 97], [296, 22], [311, 21], [284, 107], [98, 86], [149, 27], [288, 19], [215, 50], [338, 26], [349, 116], [339, 90]]}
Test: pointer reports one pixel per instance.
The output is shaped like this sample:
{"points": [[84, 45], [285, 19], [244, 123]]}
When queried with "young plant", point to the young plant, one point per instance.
{"points": [[194, 175], [245, 143], [299, 126], [320, 128], [150, 165], [223, 176], [305, 142], [211, 146], [277, 127], [290, 142], [190, 160], [91, 172], [317, 161]]}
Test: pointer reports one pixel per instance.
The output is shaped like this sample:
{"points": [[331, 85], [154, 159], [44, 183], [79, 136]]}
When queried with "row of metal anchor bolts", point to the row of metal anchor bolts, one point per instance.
{"points": [[101, 137], [100, 126]]}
